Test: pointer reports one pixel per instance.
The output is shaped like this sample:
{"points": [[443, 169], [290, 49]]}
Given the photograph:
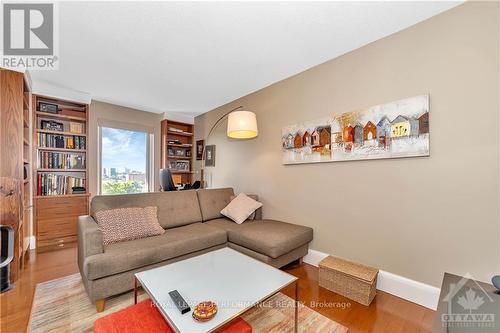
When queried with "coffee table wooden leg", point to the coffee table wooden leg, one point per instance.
{"points": [[135, 290], [296, 306]]}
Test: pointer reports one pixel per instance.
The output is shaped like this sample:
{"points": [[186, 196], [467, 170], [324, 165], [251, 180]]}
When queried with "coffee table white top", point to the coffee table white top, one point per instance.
{"points": [[234, 281]]}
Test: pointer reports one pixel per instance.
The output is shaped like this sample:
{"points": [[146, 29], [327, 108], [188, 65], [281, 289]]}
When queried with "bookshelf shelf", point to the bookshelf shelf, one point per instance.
{"points": [[68, 150], [180, 145], [179, 157], [62, 196], [58, 116], [62, 170], [60, 133], [179, 133]]}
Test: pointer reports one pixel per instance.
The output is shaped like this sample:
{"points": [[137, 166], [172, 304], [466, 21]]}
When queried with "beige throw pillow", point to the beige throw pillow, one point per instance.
{"points": [[240, 208], [253, 196], [123, 224]]}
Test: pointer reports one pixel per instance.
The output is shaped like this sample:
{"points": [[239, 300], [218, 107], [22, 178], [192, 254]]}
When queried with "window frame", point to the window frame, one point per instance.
{"points": [[150, 142]]}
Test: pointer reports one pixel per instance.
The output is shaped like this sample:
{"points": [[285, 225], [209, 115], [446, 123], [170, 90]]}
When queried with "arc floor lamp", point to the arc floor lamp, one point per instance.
{"points": [[240, 125]]}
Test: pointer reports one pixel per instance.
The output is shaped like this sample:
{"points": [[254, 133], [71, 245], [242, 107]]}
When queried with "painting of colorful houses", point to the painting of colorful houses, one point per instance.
{"points": [[396, 129]]}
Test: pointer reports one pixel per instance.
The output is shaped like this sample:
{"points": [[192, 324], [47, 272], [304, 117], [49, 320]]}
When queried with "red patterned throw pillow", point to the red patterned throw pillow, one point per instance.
{"points": [[123, 224]]}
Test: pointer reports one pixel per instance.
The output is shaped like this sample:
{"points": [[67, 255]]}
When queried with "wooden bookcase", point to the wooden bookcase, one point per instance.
{"points": [[27, 189], [15, 158], [58, 138], [177, 150]]}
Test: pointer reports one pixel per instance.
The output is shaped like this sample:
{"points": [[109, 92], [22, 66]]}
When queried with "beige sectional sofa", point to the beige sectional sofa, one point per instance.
{"points": [[193, 226]]}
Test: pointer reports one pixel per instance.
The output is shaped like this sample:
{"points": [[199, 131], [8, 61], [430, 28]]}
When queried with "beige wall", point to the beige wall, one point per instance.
{"points": [[119, 114], [416, 217]]}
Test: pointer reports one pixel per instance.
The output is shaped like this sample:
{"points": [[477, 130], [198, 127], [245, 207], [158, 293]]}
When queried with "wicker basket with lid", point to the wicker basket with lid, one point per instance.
{"points": [[352, 280]]}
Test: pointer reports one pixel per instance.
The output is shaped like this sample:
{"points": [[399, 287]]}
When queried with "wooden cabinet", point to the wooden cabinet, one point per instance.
{"points": [[57, 221]]}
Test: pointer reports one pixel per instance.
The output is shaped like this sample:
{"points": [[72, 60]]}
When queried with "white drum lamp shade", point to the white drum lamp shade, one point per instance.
{"points": [[242, 125]]}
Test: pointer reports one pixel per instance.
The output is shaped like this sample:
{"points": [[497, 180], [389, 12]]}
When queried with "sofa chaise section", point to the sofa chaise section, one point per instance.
{"points": [[273, 242]]}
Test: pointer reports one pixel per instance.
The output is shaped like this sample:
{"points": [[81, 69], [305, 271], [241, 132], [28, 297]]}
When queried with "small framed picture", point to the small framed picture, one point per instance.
{"points": [[170, 152], [210, 156], [199, 149]]}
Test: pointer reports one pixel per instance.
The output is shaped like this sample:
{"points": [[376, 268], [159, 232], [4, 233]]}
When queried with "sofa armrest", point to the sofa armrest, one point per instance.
{"points": [[89, 239]]}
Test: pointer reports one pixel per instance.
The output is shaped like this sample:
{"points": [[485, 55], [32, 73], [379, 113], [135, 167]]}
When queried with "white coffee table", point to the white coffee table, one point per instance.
{"points": [[235, 282]]}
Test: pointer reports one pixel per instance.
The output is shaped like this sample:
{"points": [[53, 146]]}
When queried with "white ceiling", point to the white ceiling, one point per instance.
{"points": [[194, 56]]}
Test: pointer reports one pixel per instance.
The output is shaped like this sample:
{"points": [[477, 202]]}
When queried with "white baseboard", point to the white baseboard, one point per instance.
{"points": [[410, 290], [32, 242]]}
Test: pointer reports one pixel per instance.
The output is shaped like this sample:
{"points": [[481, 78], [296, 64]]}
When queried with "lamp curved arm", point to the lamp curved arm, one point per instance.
{"points": [[214, 126]]}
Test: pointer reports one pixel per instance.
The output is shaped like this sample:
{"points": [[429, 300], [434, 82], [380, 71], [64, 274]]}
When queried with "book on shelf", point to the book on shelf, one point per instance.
{"points": [[55, 160], [59, 141], [53, 184]]}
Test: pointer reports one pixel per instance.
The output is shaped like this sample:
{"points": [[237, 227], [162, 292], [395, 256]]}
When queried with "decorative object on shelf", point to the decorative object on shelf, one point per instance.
{"points": [[76, 127], [392, 130], [52, 125], [176, 165], [205, 311], [200, 145], [78, 190], [47, 107], [240, 125], [210, 155], [174, 142], [170, 152], [180, 152], [496, 281]]}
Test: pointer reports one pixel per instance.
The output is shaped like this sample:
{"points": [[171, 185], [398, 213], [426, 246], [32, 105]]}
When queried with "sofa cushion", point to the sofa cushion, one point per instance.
{"points": [[124, 224], [174, 208], [212, 201], [226, 224], [241, 208], [124, 256], [269, 237]]}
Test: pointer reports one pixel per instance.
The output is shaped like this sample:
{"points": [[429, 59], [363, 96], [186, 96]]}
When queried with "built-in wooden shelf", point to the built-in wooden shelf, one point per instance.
{"points": [[61, 196], [69, 150], [180, 145], [62, 170], [180, 133], [59, 116], [183, 136], [51, 236], [60, 133], [179, 157]]}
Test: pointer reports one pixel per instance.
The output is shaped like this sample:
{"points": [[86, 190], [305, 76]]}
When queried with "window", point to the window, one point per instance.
{"points": [[124, 160]]}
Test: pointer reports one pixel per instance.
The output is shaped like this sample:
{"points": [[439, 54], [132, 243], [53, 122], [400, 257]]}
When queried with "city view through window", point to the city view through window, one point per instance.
{"points": [[123, 161]]}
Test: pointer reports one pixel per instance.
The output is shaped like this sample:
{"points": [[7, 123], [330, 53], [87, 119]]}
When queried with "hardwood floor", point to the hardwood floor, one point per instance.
{"points": [[386, 314]]}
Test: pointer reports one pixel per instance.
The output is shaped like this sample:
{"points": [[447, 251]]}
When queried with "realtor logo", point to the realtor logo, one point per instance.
{"points": [[29, 36], [469, 306]]}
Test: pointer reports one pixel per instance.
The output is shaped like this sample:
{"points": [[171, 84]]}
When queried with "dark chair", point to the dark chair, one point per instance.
{"points": [[166, 181]]}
